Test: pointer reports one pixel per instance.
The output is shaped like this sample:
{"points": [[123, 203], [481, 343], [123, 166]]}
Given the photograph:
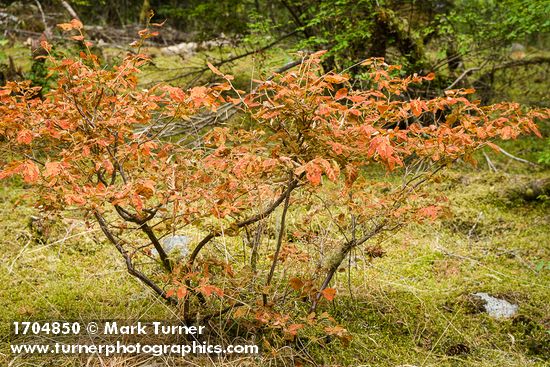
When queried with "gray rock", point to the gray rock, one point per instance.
{"points": [[184, 48], [496, 307], [177, 246]]}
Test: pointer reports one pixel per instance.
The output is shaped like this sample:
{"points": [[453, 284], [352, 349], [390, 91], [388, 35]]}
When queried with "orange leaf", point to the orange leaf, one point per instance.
{"points": [[416, 107], [208, 289], [75, 199], [430, 212], [341, 94], [108, 165], [507, 132], [77, 24], [430, 76], [45, 45], [292, 329], [30, 172], [137, 202], [382, 108], [328, 293], [65, 26], [214, 69], [146, 188], [336, 78], [24, 137], [313, 173], [181, 293], [52, 169], [296, 283]]}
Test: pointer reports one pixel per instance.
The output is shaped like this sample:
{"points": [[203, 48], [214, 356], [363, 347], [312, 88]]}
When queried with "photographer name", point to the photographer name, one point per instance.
{"points": [[150, 328]]}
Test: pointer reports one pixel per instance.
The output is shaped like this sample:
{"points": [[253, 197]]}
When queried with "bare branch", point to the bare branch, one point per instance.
{"points": [[70, 9], [517, 158], [234, 58], [129, 265], [292, 185], [465, 73], [279, 240]]}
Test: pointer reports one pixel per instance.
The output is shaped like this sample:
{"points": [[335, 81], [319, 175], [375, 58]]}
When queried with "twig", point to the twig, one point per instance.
{"points": [[465, 73], [70, 9], [517, 158], [255, 247], [471, 231], [129, 265], [251, 220], [10, 268], [489, 163], [47, 31], [344, 250], [279, 241]]}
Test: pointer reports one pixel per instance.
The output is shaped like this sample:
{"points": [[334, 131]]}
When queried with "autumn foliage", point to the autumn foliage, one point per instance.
{"points": [[312, 170]]}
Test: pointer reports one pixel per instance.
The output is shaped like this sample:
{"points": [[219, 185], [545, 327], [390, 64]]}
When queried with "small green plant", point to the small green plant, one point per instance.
{"points": [[544, 156], [542, 265]]}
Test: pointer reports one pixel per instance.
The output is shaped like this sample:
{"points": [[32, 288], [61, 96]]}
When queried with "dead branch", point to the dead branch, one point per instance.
{"points": [[523, 62], [234, 58], [47, 30], [279, 241], [129, 265], [489, 163], [464, 74], [517, 158], [70, 9]]}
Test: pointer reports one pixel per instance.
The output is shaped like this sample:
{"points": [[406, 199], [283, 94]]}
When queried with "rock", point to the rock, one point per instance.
{"points": [[177, 246], [185, 48], [496, 307]]}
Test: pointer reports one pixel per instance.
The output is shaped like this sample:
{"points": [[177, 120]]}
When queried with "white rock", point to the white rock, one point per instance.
{"points": [[185, 48], [495, 307], [177, 244]]}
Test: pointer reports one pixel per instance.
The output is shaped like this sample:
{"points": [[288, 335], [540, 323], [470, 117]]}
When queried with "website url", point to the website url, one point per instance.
{"points": [[119, 348]]}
